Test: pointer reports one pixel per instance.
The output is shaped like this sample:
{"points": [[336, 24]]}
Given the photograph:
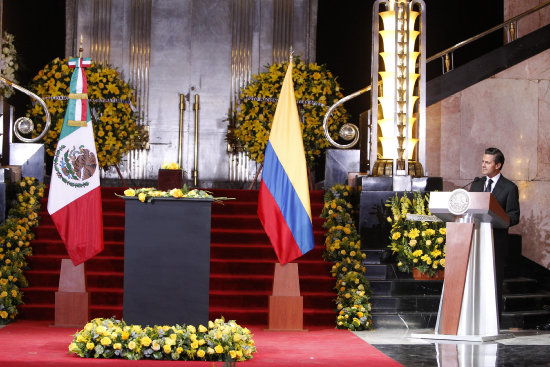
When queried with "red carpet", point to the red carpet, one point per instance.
{"points": [[34, 343], [242, 263]]}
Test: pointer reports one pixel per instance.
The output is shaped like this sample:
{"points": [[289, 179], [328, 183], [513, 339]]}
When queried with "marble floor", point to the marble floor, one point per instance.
{"points": [[526, 348]]}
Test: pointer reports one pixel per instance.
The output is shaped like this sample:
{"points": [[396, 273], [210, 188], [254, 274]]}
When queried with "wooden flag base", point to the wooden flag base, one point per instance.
{"points": [[72, 301], [286, 306]]}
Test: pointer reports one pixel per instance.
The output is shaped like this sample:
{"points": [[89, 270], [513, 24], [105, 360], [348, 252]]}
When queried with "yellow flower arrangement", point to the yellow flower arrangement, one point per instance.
{"points": [[316, 89], [15, 236], [343, 248], [115, 127], [220, 341], [416, 244], [170, 166], [147, 194]]}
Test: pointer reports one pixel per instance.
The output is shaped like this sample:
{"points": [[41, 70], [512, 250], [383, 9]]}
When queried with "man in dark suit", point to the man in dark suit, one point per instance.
{"points": [[506, 193]]}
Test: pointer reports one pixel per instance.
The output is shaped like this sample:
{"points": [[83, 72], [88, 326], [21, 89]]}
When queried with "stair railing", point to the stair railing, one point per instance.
{"points": [[24, 125], [447, 62]]}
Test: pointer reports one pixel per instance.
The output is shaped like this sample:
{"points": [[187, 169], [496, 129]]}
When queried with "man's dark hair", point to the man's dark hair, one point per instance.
{"points": [[497, 154]]}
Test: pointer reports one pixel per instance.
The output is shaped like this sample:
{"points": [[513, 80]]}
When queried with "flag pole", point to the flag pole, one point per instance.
{"points": [[286, 305], [72, 300]]}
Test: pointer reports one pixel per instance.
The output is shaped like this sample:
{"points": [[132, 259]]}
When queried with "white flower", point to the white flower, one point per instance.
{"points": [[8, 64]]}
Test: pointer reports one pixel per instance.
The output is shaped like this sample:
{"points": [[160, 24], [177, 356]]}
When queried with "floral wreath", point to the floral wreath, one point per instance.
{"points": [[8, 63], [315, 88], [110, 100]]}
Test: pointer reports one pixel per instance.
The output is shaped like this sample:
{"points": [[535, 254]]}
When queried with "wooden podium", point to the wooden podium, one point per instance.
{"points": [[468, 309]]}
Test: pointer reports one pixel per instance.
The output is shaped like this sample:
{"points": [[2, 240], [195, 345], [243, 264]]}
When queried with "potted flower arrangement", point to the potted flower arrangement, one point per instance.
{"points": [[419, 246]]}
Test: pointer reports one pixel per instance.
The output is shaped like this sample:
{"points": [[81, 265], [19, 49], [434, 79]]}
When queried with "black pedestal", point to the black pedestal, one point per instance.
{"points": [[167, 261], [339, 163]]}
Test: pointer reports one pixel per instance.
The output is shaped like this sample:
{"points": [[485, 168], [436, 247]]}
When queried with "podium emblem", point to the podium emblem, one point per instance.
{"points": [[459, 202]]}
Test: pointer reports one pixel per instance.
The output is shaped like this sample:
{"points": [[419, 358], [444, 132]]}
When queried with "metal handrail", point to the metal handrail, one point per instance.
{"points": [[19, 122], [483, 34]]}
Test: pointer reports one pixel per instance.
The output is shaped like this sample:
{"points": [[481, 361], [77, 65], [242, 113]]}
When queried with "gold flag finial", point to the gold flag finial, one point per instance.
{"points": [[80, 49], [291, 54]]}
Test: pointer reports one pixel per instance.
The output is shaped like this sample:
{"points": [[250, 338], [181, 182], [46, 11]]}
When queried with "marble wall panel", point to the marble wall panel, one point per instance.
{"points": [[545, 16], [543, 172], [433, 140], [537, 67], [534, 225], [450, 137], [501, 113]]}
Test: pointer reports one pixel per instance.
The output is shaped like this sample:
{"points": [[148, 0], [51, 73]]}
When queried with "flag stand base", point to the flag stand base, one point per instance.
{"points": [[72, 301], [286, 306]]}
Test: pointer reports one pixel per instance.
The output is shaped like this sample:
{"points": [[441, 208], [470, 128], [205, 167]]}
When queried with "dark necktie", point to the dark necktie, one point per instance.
{"points": [[489, 184]]}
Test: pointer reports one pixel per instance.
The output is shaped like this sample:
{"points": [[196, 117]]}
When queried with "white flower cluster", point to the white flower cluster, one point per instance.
{"points": [[8, 63]]}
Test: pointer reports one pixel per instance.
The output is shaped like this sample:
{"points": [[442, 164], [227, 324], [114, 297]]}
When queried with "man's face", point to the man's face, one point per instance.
{"points": [[489, 167]]}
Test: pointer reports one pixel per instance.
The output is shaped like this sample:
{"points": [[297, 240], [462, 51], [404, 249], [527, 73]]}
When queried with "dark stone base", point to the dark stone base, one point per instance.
{"points": [[167, 261]]}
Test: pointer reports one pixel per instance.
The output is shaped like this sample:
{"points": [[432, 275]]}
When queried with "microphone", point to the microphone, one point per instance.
{"points": [[469, 183]]}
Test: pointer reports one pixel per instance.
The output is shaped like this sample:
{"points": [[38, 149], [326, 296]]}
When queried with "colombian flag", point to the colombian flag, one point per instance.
{"points": [[283, 203]]}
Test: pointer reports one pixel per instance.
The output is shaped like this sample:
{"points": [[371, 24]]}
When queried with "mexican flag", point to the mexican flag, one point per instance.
{"points": [[74, 200]]}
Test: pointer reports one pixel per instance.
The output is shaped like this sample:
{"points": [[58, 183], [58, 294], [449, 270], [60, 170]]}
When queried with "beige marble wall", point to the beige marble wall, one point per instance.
{"points": [[511, 111], [531, 22]]}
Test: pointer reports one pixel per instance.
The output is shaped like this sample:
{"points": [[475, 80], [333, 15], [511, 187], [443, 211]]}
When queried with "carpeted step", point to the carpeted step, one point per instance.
{"points": [[253, 251], [228, 266], [218, 235], [259, 316], [47, 232], [239, 282], [260, 298], [57, 247], [264, 267]]}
